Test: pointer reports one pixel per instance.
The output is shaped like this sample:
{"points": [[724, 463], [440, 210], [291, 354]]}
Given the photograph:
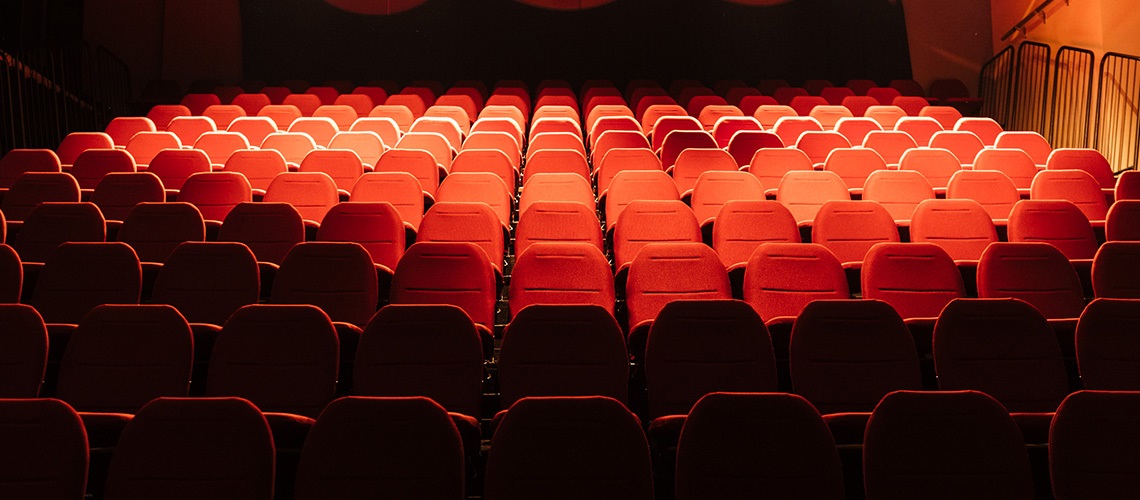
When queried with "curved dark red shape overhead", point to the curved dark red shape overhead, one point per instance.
{"points": [[375, 7], [759, 3], [565, 4]]}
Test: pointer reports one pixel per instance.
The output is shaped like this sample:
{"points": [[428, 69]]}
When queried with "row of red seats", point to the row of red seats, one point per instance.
{"points": [[937, 171], [392, 446], [119, 357], [965, 320], [846, 230], [208, 281]]}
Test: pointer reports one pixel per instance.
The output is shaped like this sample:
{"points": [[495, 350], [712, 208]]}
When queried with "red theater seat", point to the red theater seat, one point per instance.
{"points": [[259, 166], [143, 146], [123, 128], [917, 279], [50, 225], [1074, 186], [190, 128], [269, 229], [342, 165], [321, 129], [717, 442], [488, 160], [1123, 221], [782, 278], [665, 272], [199, 102], [890, 144], [898, 191], [961, 227], [850, 228], [886, 115], [32, 188], [920, 128], [223, 114], [556, 161], [769, 164], [643, 222], [1056, 222], [71, 146], [1106, 351], [189, 448], [701, 346], [1037, 273], [390, 446], [855, 129], [284, 357], [993, 190], [1031, 143], [154, 230], [161, 114], [386, 128], [45, 452], [743, 225], [804, 192], [118, 192], [548, 221], [91, 165], [972, 342], [431, 350], [591, 441], [448, 273], [1089, 454], [1114, 273], [282, 114], [946, 115], [175, 166], [854, 165], [313, 194], [563, 350], [215, 193], [714, 188], [835, 343], [24, 351], [561, 273], [951, 439], [120, 358], [293, 146], [338, 277]]}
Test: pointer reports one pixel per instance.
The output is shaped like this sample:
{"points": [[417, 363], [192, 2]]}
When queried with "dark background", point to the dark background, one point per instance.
{"points": [[708, 40]]}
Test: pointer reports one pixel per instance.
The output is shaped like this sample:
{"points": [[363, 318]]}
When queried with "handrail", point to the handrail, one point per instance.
{"points": [[1021, 25], [39, 78], [48, 92]]}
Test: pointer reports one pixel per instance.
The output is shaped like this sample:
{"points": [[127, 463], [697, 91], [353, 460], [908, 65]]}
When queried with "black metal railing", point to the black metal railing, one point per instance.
{"points": [[1117, 118], [995, 85], [1018, 95], [1030, 88], [1071, 107], [46, 94]]}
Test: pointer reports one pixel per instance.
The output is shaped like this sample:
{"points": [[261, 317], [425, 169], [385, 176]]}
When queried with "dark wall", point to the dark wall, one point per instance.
{"points": [[661, 39], [36, 24]]}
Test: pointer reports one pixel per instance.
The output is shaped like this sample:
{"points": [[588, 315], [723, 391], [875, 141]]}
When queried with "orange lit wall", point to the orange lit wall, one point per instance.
{"points": [[1098, 25], [1080, 24], [948, 39]]}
